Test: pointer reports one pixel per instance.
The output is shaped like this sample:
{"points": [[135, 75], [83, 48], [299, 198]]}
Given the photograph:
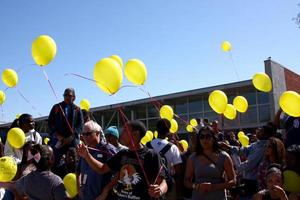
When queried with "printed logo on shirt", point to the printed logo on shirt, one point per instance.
{"points": [[129, 176]]}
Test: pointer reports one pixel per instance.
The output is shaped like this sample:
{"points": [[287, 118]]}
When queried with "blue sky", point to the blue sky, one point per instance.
{"points": [[179, 41]]}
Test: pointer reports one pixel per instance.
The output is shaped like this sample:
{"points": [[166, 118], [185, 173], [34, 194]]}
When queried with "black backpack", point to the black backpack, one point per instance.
{"points": [[164, 162]]}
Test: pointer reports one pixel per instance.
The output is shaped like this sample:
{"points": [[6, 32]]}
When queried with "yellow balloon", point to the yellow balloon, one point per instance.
{"points": [[18, 116], [230, 112], [2, 97], [108, 75], [8, 168], [240, 103], [174, 126], [184, 144], [262, 82], [145, 139], [289, 102], [43, 50], [226, 46], [16, 137], [46, 141], [118, 59], [166, 112], [135, 71], [240, 134], [70, 184], [85, 104], [189, 128], [193, 122], [10, 77], [150, 135], [155, 134], [291, 181], [218, 101], [244, 140]]}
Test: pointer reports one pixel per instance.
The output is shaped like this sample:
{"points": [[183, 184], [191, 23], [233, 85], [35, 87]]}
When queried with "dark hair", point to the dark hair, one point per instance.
{"points": [[278, 150], [86, 115], [23, 119], [269, 130], [294, 150], [274, 168], [26, 148], [69, 90], [199, 149], [14, 124], [163, 127], [138, 126], [46, 154]]}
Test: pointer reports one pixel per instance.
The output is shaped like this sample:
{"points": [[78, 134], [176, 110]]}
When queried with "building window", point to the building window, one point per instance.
{"points": [[264, 113], [249, 117], [250, 96], [140, 112], [211, 116], [153, 111], [263, 97], [195, 104], [152, 124]]}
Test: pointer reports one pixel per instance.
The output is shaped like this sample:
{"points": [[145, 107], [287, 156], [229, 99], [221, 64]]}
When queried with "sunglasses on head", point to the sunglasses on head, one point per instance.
{"points": [[87, 133], [205, 136]]}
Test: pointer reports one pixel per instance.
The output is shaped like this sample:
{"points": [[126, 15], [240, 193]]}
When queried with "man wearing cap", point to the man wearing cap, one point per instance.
{"points": [[92, 183], [112, 137], [65, 123]]}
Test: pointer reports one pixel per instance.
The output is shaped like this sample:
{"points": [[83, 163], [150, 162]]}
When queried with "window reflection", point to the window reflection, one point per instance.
{"points": [[263, 97], [195, 104], [250, 116], [264, 113]]}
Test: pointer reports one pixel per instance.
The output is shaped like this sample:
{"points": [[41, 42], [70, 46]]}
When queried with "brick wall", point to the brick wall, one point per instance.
{"points": [[292, 80]]}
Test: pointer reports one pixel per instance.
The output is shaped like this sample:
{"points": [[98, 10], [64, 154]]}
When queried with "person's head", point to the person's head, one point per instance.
{"points": [[275, 151], [112, 134], [27, 147], [206, 140], [86, 115], [293, 158], [265, 132], [41, 156], [71, 158], [133, 130], [69, 95], [26, 122], [232, 136], [274, 177], [91, 133], [214, 125], [163, 127]]}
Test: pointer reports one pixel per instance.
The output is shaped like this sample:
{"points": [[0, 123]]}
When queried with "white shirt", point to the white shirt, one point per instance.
{"points": [[173, 155], [18, 153]]}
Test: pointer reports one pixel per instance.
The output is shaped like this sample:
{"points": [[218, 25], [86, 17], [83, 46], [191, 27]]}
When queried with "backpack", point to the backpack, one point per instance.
{"points": [[164, 162]]}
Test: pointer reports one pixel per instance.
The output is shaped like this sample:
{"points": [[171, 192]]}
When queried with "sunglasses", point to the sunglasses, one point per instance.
{"points": [[205, 136], [87, 133]]}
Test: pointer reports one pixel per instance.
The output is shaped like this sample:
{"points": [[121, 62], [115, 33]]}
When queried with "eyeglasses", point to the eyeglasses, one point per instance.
{"points": [[205, 136], [87, 133]]}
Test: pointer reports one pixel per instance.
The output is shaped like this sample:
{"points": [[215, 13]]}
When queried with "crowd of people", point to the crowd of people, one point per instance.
{"points": [[113, 164]]}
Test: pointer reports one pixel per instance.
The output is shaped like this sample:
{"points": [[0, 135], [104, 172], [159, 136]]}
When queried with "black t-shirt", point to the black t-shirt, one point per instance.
{"points": [[292, 127], [132, 183]]}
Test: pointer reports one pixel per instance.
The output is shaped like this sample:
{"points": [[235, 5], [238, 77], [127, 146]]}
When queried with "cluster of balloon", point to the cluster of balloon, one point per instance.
{"points": [[43, 50], [226, 46], [240, 103], [289, 102], [16, 137], [108, 75], [218, 101], [291, 181], [262, 82], [230, 112], [71, 185], [2, 97], [135, 71], [244, 140], [174, 126], [8, 168], [184, 144], [166, 112], [190, 127], [9, 77], [147, 138], [46, 141], [85, 104]]}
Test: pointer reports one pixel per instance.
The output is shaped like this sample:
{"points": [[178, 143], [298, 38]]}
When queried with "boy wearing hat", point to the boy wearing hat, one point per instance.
{"points": [[112, 137]]}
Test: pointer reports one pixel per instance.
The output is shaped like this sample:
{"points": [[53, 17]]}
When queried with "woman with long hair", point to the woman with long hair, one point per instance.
{"points": [[206, 168], [274, 154]]}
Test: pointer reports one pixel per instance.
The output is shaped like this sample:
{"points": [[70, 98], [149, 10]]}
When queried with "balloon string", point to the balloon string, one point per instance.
{"points": [[63, 113], [2, 112], [234, 67], [123, 116], [32, 106]]}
